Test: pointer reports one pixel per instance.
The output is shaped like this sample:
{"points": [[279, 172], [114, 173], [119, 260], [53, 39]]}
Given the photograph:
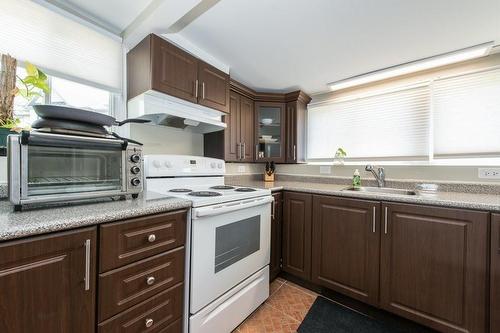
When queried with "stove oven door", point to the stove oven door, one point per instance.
{"points": [[230, 242]]}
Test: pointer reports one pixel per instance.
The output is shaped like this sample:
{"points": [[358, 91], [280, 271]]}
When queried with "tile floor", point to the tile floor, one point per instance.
{"points": [[282, 312]]}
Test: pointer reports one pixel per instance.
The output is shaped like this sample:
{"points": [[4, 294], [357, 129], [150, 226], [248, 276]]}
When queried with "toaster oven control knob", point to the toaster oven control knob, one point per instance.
{"points": [[135, 170], [135, 158], [135, 181]]}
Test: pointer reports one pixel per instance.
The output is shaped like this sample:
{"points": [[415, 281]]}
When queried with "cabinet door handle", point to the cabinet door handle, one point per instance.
{"points": [[196, 88], [238, 148], [150, 280], [203, 90], [385, 221], [87, 264], [273, 208], [149, 322], [295, 152], [256, 152], [244, 151], [151, 238], [374, 219]]}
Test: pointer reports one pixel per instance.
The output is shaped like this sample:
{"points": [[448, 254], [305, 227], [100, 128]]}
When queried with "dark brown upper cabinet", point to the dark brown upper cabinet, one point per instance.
{"points": [[276, 223], [214, 87], [270, 132], [48, 283], [495, 274], [159, 65], [238, 136], [346, 246], [297, 214], [434, 264], [296, 108]]}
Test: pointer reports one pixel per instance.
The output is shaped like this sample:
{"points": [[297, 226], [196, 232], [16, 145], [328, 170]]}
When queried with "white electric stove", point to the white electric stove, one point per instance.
{"points": [[229, 247]]}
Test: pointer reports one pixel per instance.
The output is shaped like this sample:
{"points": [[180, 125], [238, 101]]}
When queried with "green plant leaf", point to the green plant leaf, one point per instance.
{"points": [[42, 75], [31, 69]]}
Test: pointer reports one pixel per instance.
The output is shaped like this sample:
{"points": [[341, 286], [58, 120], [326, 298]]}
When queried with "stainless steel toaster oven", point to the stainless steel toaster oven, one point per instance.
{"points": [[47, 167]]}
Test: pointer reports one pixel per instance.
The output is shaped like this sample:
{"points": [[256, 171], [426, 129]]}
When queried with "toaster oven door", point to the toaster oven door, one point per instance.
{"points": [[69, 167]]}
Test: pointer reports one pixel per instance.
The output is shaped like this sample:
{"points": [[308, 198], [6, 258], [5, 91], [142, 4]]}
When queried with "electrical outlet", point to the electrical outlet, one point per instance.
{"points": [[241, 168], [325, 169], [491, 173]]}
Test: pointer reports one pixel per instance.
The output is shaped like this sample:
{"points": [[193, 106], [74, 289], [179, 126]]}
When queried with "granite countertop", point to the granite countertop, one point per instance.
{"points": [[489, 202], [42, 220]]}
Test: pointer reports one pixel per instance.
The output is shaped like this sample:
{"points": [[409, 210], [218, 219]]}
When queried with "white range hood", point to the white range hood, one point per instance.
{"points": [[166, 110]]}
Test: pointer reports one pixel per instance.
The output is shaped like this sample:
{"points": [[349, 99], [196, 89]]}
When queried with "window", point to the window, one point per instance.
{"points": [[445, 118], [64, 92]]}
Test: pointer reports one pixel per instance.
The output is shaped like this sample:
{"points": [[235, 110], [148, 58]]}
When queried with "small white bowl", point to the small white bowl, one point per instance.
{"points": [[266, 121]]}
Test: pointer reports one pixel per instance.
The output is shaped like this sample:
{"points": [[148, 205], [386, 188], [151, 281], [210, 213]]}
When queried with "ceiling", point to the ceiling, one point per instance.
{"points": [[281, 45]]}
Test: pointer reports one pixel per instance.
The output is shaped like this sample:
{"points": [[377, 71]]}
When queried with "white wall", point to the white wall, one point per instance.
{"points": [[167, 140], [435, 173], [3, 170]]}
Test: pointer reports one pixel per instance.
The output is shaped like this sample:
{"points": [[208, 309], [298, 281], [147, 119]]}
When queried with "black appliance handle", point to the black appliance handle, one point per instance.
{"points": [[133, 120]]}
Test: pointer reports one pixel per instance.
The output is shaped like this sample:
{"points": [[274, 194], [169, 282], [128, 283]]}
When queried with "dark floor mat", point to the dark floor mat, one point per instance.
{"points": [[326, 316]]}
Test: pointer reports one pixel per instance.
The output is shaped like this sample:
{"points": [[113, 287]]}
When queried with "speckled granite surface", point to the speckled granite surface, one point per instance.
{"points": [[3, 190], [43, 220], [489, 202]]}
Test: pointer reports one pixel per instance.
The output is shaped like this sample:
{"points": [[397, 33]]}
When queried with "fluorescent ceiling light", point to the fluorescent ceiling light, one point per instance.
{"points": [[415, 66]]}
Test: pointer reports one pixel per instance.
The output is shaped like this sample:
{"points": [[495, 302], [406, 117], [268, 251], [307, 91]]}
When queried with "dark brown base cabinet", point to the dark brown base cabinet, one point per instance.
{"points": [[346, 246], [276, 223], [495, 274], [434, 266], [42, 283], [297, 211], [425, 263], [45, 285]]}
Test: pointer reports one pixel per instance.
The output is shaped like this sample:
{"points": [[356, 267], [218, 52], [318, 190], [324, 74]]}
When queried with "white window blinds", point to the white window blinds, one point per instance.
{"points": [[467, 115], [386, 126], [61, 46]]}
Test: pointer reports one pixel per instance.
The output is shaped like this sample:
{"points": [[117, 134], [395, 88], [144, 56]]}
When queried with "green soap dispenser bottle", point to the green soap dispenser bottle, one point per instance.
{"points": [[356, 179]]}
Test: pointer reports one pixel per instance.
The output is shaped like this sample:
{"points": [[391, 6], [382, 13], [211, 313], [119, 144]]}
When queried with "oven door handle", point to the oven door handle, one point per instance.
{"points": [[230, 207]]}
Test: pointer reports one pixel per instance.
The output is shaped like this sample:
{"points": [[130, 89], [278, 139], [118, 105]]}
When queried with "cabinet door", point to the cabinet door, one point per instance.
{"points": [[42, 283], [276, 222], [247, 129], [174, 71], [270, 132], [434, 266], [214, 87], [291, 132], [346, 246], [495, 274], [295, 131], [297, 211], [232, 149]]}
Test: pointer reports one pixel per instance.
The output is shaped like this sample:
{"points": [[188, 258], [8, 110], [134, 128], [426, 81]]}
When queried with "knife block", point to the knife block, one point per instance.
{"points": [[268, 178]]}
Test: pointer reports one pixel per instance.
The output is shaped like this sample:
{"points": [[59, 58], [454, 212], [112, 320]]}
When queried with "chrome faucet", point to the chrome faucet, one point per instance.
{"points": [[380, 176]]}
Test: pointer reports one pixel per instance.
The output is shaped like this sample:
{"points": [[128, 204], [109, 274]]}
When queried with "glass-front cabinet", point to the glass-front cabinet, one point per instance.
{"points": [[270, 132]]}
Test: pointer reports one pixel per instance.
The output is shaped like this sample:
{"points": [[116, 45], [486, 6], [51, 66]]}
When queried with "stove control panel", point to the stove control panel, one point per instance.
{"points": [[183, 165]]}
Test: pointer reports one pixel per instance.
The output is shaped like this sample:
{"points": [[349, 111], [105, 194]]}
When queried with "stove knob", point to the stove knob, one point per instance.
{"points": [[135, 170], [135, 181], [213, 165], [156, 164], [219, 165], [168, 164], [135, 158]]}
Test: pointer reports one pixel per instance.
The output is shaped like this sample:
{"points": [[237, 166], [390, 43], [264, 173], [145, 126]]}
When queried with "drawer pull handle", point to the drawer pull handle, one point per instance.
{"points": [[149, 322], [151, 238], [150, 280]]}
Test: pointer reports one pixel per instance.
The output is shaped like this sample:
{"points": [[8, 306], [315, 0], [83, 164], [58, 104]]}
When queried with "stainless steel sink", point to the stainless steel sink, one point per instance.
{"points": [[382, 190]]}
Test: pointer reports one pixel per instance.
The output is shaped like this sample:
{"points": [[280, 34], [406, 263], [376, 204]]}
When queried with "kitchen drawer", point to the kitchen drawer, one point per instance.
{"points": [[131, 240], [162, 311], [127, 286]]}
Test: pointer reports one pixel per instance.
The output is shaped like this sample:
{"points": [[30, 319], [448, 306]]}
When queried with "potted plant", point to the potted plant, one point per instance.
{"points": [[11, 85], [340, 154]]}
